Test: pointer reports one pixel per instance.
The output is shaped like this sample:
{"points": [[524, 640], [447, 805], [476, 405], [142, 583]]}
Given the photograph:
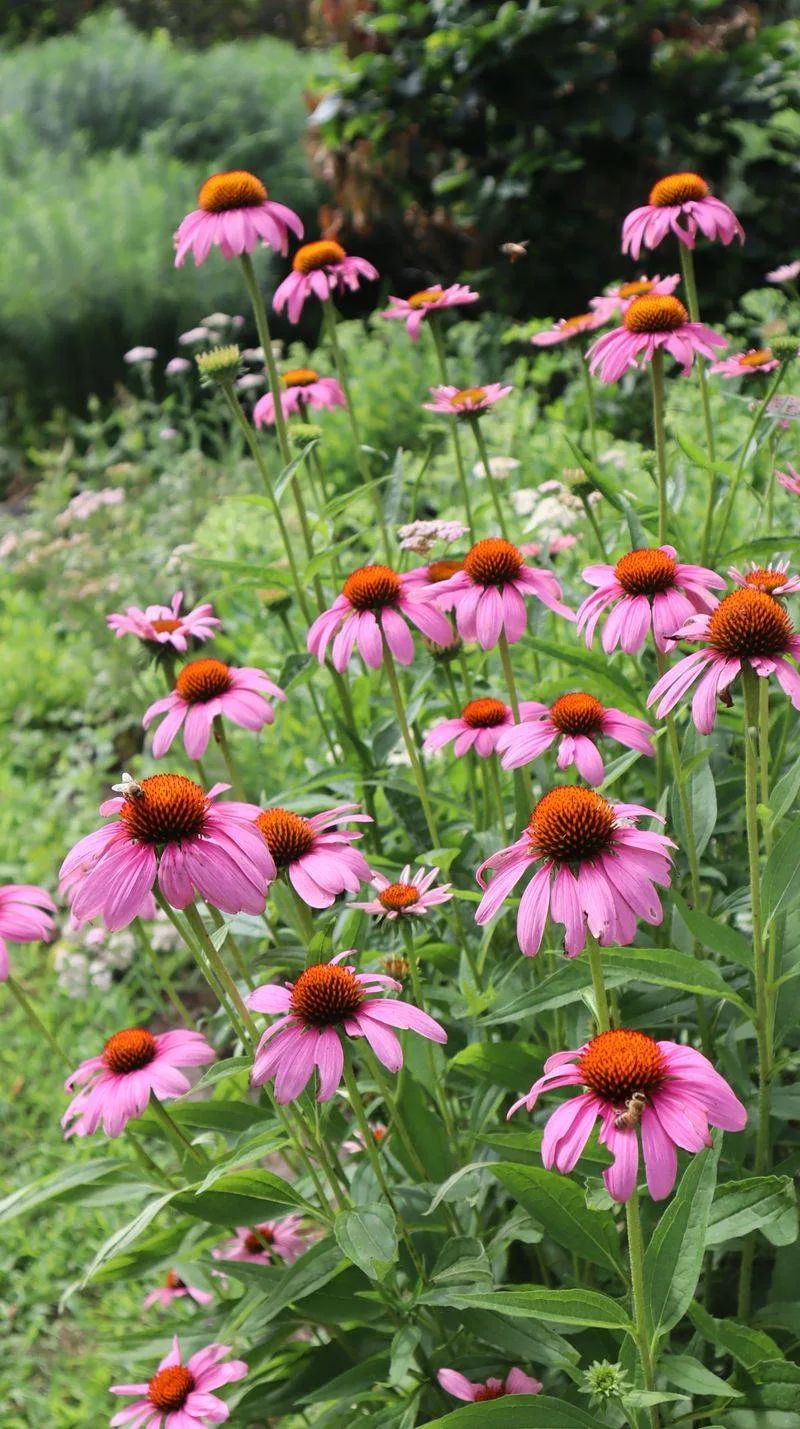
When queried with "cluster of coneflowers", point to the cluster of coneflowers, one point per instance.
{"points": [[592, 867]]}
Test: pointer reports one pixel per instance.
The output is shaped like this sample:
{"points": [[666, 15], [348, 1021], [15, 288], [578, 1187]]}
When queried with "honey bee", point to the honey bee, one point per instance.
{"points": [[129, 788], [629, 1118], [514, 251]]}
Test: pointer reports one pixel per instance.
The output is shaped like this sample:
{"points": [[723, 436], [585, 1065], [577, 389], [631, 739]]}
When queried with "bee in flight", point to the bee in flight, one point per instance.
{"points": [[129, 788], [632, 1115], [515, 251]]}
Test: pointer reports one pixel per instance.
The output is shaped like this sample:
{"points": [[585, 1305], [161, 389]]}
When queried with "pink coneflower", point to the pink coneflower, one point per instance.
{"points": [[415, 309], [329, 1001], [174, 1288], [577, 721], [566, 328], [671, 1091], [478, 727], [790, 479], [408, 897], [618, 298], [646, 588], [205, 689], [315, 854], [679, 197], [465, 401], [319, 269], [747, 628], [179, 1396], [374, 599], [116, 1086], [649, 324], [165, 625], [235, 214], [774, 579], [168, 830], [756, 359], [785, 273], [488, 593], [25, 917], [264, 1243], [599, 871], [460, 1387], [301, 388]]}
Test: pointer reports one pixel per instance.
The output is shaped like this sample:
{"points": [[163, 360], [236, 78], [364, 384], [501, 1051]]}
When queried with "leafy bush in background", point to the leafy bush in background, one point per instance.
{"points": [[200, 22], [465, 124]]}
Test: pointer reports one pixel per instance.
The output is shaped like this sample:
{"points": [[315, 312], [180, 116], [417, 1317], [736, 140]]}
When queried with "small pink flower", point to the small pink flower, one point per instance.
{"points": [[566, 328], [462, 1388], [373, 601], [646, 589], [301, 388], [786, 273], [617, 299], [164, 624], [25, 917], [355, 1144], [175, 1289], [262, 1244], [596, 869], [179, 1396], [177, 366], [747, 628], [478, 727], [465, 401], [756, 359], [679, 197], [415, 309], [669, 1091], [790, 479], [408, 896], [577, 720], [235, 215], [315, 853], [116, 1086], [170, 831], [319, 270], [647, 325], [329, 1001], [205, 689], [774, 579], [488, 594]]}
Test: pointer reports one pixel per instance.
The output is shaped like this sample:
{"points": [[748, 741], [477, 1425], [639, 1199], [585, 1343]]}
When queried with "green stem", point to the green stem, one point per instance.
{"points": [[230, 942], [595, 525], [690, 285], [660, 440], [419, 998], [640, 1317], [304, 916], [492, 484], [264, 337], [587, 382], [494, 776], [163, 976], [740, 465], [221, 737], [521, 788], [329, 315], [176, 1137], [418, 772], [145, 1160], [441, 356], [35, 1020], [246, 1026], [603, 1017]]}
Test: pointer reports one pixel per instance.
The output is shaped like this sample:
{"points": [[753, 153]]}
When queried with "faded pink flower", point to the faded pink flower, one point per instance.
{"points": [[669, 1091], [116, 1086], [164, 624], [373, 601], [647, 325], [646, 589], [25, 917], [408, 897], [465, 401], [169, 831], [743, 364], [315, 853], [205, 689], [679, 197], [785, 273], [234, 214], [479, 727], [328, 1001], [179, 1396], [790, 479], [415, 309], [577, 721], [566, 328], [319, 270], [266, 1242], [460, 1387], [617, 299], [596, 869], [174, 1288], [301, 388], [748, 628], [488, 593]]}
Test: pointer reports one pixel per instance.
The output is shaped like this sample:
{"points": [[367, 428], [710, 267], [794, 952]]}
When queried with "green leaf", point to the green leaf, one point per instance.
{"points": [[577, 1308], [560, 988], [251, 1148], [521, 1341], [701, 793], [598, 665], [368, 1237], [126, 1236], [675, 1254], [778, 1386], [713, 935], [748, 1346], [765, 1203], [404, 1348], [462, 1261], [518, 1411], [243, 1198], [295, 665], [61, 1186], [559, 1206], [688, 1374], [666, 967], [425, 1132], [780, 888], [785, 791], [692, 450], [509, 1065], [315, 1268]]}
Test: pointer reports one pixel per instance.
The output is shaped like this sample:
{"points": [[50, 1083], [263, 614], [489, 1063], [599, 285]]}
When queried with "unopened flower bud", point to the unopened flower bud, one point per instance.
{"points": [[219, 365], [444, 652], [786, 348]]}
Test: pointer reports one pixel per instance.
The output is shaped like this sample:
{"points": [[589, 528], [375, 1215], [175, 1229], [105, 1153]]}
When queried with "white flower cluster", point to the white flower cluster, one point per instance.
{"points": [[87, 503], [421, 536]]}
